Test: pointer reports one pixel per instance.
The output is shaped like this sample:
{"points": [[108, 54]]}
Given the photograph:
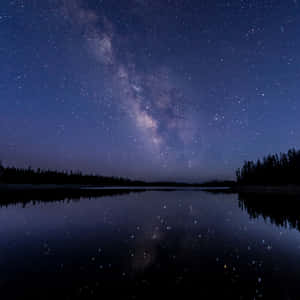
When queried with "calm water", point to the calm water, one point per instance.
{"points": [[150, 245]]}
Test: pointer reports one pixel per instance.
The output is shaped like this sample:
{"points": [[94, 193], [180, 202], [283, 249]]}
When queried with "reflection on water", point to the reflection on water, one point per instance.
{"points": [[53, 195], [282, 210], [146, 245]]}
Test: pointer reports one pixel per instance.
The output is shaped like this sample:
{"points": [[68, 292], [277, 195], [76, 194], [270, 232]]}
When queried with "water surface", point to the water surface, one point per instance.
{"points": [[145, 245]]}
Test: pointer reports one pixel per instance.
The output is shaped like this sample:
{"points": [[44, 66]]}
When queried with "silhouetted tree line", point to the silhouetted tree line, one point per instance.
{"points": [[275, 169], [38, 176], [13, 175]]}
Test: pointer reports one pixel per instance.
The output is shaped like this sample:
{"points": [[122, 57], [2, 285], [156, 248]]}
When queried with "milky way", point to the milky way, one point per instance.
{"points": [[183, 90], [156, 106]]}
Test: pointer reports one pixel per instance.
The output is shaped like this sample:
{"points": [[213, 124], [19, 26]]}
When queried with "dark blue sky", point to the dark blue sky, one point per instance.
{"points": [[174, 90]]}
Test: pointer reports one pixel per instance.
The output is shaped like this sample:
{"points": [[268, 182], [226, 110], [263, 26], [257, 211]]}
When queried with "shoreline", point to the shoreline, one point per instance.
{"points": [[75, 187], [259, 190], [27, 193], [255, 189]]}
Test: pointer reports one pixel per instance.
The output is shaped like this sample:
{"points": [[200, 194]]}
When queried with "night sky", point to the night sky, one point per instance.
{"points": [[150, 89]]}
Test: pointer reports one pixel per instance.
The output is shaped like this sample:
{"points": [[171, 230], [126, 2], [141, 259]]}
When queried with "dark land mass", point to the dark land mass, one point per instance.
{"points": [[276, 174], [17, 176], [273, 170]]}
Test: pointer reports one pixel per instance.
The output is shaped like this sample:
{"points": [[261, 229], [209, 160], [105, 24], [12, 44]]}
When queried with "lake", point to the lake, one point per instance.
{"points": [[151, 244]]}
